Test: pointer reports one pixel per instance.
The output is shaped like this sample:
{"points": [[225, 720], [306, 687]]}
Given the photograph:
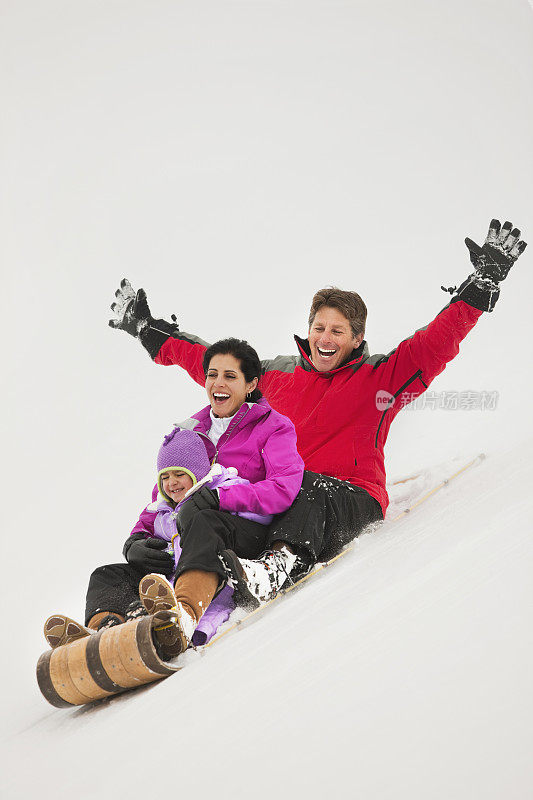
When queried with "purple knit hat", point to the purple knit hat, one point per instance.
{"points": [[183, 450]]}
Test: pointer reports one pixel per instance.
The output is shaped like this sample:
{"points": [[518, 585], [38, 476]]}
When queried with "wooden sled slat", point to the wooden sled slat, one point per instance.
{"points": [[110, 656], [96, 668], [131, 657], [62, 680], [45, 682], [80, 672]]}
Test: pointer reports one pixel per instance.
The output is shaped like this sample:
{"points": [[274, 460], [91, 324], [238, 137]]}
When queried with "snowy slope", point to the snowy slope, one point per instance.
{"points": [[403, 671]]}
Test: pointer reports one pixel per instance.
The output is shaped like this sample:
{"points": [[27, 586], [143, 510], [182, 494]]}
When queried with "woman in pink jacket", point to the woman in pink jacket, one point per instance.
{"points": [[218, 533], [217, 522]]}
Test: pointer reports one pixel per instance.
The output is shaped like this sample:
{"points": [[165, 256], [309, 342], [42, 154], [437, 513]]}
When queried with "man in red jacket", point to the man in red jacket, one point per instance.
{"points": [[341, 399]]}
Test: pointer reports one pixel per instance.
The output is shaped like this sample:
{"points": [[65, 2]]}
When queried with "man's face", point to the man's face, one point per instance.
{"points": [[331, 339]]}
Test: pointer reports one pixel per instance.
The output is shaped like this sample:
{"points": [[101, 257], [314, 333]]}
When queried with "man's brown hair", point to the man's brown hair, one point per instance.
{"points": [[349, 304]]}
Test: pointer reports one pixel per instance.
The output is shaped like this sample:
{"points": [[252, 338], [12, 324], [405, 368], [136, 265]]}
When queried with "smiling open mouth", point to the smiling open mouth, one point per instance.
{"points": [[220, 397], [325, 353]]}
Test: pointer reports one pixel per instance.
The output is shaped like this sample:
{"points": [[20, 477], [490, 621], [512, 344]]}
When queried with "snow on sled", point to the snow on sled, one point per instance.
{"points": [[101, 665]]}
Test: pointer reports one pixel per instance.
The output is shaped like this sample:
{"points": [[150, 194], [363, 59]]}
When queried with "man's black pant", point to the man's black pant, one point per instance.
{"points": [[326, 515]]}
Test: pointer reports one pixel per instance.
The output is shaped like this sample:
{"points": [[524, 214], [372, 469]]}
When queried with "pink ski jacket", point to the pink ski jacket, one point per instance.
{"points": [[261, 444]]}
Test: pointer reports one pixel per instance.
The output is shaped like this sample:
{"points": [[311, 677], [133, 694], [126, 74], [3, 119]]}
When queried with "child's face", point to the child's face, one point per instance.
{"points": [[176, 484]]}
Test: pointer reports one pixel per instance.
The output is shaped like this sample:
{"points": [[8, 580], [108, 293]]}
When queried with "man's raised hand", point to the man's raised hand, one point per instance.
{"points": [[500, 250], [131, 310], [132, 315]]}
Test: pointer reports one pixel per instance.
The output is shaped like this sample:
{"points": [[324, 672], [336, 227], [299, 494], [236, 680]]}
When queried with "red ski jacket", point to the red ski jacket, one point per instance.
{"points": [[342, 418]]}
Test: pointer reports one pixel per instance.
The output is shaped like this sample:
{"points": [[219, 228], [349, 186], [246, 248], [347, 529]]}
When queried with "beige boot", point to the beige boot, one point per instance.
{"points": [[177, 611], [60, 629]]}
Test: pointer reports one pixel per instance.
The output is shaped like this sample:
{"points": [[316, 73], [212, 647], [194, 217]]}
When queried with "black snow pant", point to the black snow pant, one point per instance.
{"points": [[326, 515], [114, 586]]}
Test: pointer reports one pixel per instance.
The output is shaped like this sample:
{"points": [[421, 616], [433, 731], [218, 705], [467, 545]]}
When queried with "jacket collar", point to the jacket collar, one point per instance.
{"points": [[357, 357], [248, 412]]}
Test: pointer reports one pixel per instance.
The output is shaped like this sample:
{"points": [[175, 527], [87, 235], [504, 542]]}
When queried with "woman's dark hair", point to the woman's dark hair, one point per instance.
{"points": [[244, 353]]}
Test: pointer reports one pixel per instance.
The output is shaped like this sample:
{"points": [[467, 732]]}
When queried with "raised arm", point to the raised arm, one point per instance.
{"points": [[419, 359], [162, 340]]}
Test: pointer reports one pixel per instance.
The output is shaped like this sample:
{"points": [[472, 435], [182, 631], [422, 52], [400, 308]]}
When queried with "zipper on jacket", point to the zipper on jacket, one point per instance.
{"points": [[413, 377], [229, 431]]}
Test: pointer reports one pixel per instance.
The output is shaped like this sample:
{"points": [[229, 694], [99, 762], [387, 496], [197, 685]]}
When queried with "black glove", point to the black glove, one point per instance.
{"points": [[132, 314], [131, 310], [492, 263], [498, 254], [148, 554], [201, 500]]}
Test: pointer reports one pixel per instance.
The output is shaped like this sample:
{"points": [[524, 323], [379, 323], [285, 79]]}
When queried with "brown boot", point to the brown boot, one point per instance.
{"points": [[105, 619], [194, 590], [177, 611], [60, 629]]}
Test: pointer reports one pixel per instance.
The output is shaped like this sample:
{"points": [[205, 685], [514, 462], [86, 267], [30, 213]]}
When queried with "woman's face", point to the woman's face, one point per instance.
{"points": [[226, 385]]}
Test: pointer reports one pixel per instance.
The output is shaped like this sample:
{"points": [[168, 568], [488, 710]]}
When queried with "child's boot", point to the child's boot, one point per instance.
{"points": [[105, 619], [177, 611], [59, 630]]}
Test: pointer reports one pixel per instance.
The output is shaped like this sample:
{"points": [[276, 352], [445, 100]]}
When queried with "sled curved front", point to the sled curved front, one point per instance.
{"points": [[101, 665]]}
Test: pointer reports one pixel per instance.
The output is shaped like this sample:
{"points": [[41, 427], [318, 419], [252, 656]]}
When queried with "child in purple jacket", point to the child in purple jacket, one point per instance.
{"points": [[176, 484], [183, 467]]}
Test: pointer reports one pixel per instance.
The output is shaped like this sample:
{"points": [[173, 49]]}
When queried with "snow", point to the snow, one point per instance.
{"points": [[233, 158], [403, 667]]}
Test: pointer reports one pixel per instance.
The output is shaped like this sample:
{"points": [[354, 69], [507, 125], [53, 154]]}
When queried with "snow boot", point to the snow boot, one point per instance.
{"points": [[243, 596], [135, 610], [59, 630], [259, 580], [177, 611], [105, 619]]}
